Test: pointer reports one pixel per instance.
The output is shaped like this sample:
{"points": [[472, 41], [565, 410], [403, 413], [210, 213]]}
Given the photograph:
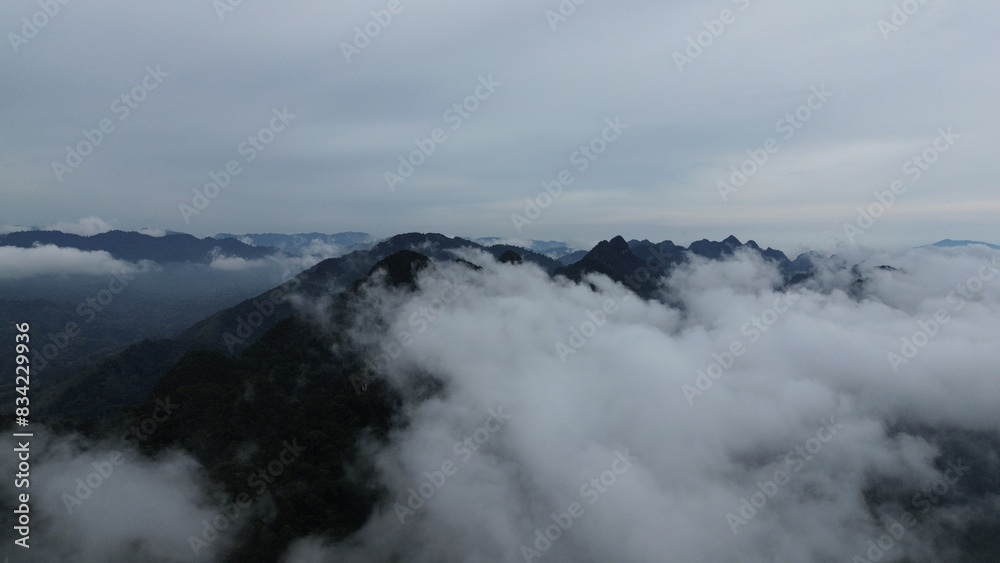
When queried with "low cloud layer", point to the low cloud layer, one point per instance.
{"points": [[288, 265], [747, 424], [834, 420], [94, 502], [51, 259], [87, 226]]}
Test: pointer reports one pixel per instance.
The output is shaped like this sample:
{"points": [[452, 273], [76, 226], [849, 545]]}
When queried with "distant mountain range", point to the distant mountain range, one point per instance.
{"points": [[948, 243], [227, 330], [639, 265], [302, 244], [550, 248], [305, 244], [177, 247], [133, 247]]}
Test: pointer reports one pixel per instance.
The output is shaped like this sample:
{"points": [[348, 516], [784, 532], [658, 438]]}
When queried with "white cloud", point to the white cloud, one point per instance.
{"points": [[318, 251], [97, 502], [287, 266], [236, 263], [672, 420], [50, 259], [811, 374], [86, 226], [7, 229]]}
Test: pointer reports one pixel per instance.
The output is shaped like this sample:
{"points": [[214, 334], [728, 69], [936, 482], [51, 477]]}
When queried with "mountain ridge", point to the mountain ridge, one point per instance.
{"points": [[134, 247]]}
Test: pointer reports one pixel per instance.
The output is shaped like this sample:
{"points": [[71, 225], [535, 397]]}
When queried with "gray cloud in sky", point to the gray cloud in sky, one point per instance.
{"points": [[207, 84]]}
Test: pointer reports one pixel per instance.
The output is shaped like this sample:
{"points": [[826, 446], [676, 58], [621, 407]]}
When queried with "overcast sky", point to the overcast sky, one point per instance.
{"points": [[209, 79]]}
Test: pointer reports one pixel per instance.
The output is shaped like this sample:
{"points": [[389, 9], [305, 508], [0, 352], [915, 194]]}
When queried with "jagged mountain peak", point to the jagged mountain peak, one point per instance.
{"points": [[619, 245]]}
